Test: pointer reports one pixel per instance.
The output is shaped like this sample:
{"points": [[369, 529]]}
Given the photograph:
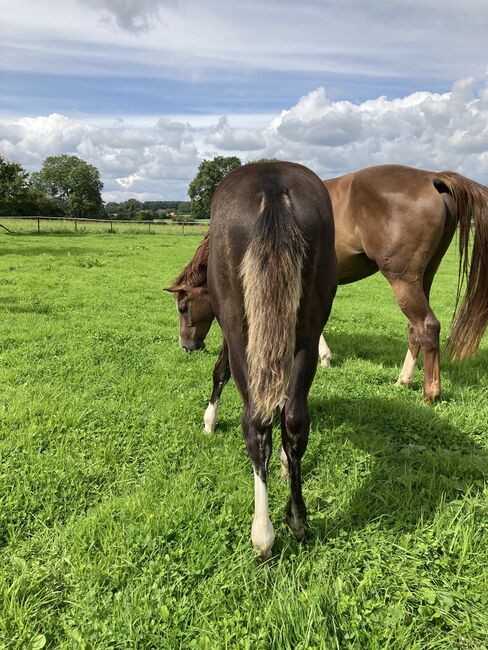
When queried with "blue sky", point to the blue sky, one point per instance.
{"points": [[145, 89]]}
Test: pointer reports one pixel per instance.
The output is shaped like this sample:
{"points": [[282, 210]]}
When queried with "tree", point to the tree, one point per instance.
{"points": [[37, 202], [112, 208], [130, 208], [184, 207], [203, 186], [13, 186], [74, 182], [144, 215]]}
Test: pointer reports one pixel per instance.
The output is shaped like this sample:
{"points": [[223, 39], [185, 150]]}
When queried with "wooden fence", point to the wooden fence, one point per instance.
{"points": [[32, 224]]}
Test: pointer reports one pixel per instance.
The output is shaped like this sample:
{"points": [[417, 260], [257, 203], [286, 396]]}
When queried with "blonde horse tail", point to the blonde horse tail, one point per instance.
{"points": [[271, 273]]}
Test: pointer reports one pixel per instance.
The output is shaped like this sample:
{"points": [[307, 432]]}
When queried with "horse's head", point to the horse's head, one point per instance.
{"points": [[193, 300], [195, 313]]}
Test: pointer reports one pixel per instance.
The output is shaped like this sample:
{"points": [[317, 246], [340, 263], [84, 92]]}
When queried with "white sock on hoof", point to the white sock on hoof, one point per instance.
{"points": [[284, 464], [262, 531], [210, 417], [324, 353], [406, 375]]}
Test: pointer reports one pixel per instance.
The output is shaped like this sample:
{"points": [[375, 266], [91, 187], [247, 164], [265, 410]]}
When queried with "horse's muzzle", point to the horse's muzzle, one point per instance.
{"points": [[191, 346]]}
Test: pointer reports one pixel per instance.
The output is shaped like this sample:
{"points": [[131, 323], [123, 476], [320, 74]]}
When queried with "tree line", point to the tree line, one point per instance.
{"points": [[67, 186]]}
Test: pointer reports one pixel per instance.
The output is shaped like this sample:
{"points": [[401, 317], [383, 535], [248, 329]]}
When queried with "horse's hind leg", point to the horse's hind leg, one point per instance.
{"points": [[258, 439], [295, 425], [221, 375], [406, 374], [259, 443], [424, 329], [325, 356]]}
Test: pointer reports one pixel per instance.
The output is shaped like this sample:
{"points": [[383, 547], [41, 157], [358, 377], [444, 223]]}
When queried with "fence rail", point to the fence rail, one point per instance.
{"points": [[25, 224]]}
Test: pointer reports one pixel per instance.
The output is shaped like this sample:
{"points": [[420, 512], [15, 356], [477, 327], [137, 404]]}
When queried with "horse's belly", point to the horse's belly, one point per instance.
{"points": [[354, 267]]}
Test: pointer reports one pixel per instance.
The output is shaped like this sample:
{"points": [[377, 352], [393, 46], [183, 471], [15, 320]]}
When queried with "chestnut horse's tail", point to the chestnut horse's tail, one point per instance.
{"points": [[471, 319], [271, 273]]}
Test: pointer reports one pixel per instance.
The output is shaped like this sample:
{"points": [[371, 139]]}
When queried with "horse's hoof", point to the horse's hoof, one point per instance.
{"points": [[401, 382], [325, 362], [264, 557], [432, 399], [300, 535], [296, 523]]}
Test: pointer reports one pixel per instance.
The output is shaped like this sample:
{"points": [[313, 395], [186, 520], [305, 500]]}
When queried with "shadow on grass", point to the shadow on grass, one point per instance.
{"points": [[33, 251], [467, 372], [389, 351], [17, 305], [45, 248], [419, 462]]}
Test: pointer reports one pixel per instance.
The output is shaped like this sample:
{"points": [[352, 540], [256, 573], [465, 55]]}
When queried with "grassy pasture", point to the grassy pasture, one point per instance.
{"points": [[31, 225], [123, 526]]}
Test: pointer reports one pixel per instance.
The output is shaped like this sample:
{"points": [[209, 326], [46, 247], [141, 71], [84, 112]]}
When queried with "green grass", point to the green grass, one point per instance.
{"points": [[123, 526], [43, 226]]}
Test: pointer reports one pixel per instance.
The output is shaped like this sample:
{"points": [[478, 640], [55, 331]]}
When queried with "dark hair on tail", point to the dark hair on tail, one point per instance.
{"points": [[271, 273], [471, 319]]}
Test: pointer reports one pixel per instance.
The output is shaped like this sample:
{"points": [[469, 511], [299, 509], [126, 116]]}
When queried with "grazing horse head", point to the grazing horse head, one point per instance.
{"points": [[193, 300]]}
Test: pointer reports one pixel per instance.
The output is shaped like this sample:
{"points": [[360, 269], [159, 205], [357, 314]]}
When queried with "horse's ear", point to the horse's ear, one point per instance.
{"points": [[175, 288]]}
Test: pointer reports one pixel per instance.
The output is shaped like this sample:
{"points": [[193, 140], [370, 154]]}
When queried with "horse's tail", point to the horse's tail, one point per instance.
{"points": [[471, 212], [271, 272]]}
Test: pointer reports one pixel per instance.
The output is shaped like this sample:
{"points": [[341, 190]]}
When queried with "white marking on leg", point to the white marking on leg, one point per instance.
{"points": [[295, 522], [406, 375], [262, 531], [210, 417], [284, 464], [324, 353]]}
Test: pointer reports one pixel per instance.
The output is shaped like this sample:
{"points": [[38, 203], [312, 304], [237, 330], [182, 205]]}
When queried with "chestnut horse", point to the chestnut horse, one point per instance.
{"points": [[272, 277], [400, 221]]}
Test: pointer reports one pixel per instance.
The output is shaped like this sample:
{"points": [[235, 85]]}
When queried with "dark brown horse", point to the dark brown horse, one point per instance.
{"points": [[272, 276], [400, 221]]}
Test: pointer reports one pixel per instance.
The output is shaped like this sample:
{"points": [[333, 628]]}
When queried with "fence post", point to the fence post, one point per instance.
{"points": [[111, 226], [38, 225], [182, 228], [76, 226]]}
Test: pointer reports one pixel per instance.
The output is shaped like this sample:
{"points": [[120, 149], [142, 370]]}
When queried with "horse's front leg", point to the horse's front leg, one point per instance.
{"points": [[221, 375], [325, 354]]}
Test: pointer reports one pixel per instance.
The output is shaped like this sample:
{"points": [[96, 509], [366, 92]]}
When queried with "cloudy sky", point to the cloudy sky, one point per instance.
{"points": [[145, 89]]}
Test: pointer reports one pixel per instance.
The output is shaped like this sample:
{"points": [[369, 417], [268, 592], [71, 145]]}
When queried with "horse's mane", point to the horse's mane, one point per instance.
{"points": [[195, 272]]}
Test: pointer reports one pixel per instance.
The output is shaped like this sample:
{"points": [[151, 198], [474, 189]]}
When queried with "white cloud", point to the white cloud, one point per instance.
{"points": [[174, 134], [154, 161], [319, 121], [429, 130], [238, 139], [129, 15], [158, 158]]}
